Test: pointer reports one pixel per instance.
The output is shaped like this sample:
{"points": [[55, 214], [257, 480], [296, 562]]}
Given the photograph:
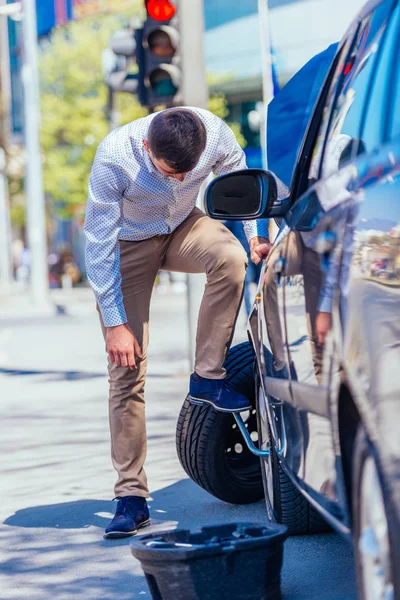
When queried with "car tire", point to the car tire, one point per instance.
{"points": [[285, 503], [210, 446], [291, 507], [375, 527]]}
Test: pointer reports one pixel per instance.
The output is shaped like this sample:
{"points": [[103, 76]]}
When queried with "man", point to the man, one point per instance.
{"points": [[142, 217]]}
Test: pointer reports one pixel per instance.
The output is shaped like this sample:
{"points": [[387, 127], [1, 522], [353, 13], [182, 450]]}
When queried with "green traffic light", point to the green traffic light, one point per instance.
{"points": [[165, 88]]}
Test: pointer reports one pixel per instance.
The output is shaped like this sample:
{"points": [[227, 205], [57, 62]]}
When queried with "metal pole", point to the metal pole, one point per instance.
{"points": [[5, 77], [6, 272], [191, 18], [6, 275], [267, 90], [35, 200], [195, 93], [113, 116], [266, 68]]}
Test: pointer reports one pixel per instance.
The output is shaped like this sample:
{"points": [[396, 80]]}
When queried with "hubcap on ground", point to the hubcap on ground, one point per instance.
{"points": [[237, 455], [373, 543]]}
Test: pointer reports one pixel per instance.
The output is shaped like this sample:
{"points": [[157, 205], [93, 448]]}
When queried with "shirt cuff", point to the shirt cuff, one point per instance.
{"points": [[257, 227], [113, 315], [325, 304]]}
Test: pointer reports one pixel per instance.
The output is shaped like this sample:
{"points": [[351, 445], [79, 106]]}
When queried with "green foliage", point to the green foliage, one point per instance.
{"points": [[15, 176], [73, 104], [74, 113], [218, 105]]}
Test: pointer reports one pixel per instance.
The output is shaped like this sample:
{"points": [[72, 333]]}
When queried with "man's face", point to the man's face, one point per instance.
{"points": [[162, 166]]}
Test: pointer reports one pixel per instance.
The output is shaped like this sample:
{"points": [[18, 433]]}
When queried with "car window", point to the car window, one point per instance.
{"points": [[383, 94], [338, 139], [326, 111], [394, 124]]}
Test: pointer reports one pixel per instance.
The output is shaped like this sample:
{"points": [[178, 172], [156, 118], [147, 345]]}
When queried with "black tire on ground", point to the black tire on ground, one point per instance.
{"points": [[291, 507], [210, 446], [364, 451]]}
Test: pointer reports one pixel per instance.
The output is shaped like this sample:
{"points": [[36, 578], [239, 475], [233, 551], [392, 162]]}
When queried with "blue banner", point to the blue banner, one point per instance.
{"points": [[50, 13]]}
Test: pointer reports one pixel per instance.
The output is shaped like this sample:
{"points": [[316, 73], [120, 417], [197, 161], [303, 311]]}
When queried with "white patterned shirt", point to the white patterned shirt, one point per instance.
{"points": [[129, 199]]}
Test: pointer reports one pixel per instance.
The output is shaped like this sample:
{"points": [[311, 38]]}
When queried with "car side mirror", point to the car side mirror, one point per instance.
{"points": [[246, 194]]}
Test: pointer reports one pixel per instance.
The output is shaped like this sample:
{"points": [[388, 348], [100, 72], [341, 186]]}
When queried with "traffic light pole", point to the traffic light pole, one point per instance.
{"points": [[194, 87], [267, 89], [266, 67], [35, 200], [5, 228], [6, 275], [195, 93], [112, 114]]}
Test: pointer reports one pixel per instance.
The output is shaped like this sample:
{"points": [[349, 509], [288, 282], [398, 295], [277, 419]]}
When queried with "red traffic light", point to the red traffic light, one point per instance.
{"points": [[160, 10]]}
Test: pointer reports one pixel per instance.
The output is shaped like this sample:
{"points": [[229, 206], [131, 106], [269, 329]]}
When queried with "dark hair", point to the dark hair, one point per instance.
{"points": [[177, 136]]}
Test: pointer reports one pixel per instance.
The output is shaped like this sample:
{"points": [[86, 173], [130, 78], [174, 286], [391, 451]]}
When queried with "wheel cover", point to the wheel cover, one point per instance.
{"points": [[373, 542], [237, 456]]}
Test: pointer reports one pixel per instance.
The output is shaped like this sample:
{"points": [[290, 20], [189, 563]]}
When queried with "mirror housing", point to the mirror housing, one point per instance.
{"points": [[305, 213], [241, 195]]}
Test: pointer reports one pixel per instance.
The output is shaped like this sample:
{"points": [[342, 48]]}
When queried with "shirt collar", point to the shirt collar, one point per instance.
{"points": [[147, 161]]}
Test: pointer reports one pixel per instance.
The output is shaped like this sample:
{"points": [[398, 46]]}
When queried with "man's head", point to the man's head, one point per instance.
{"points": [[175, 141]]}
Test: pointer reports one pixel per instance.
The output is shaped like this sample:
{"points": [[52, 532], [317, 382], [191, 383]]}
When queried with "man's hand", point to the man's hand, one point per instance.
{"points": [[322, 326], [122, 346], [259, 249]]}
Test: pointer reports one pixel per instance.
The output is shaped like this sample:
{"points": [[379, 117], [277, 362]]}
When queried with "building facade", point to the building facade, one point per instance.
{"points": [[299, 29]]}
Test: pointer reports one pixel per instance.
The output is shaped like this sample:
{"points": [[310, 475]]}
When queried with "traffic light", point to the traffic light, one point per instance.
{"points": [[161, 61], [155, 48], [125, 45]]}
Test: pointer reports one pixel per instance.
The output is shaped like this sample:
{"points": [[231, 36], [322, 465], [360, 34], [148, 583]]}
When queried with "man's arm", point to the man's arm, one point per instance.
{"points": [[232, 158], [102, 226]]}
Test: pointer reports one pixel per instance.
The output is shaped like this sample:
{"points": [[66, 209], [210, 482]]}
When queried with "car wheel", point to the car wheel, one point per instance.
{"points": [[291, 507], [285, 503], [373, 533], [210, 446]]}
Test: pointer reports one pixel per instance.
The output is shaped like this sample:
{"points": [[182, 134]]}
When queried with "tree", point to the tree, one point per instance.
{"points": [[73, 106], [219, 106], [74, 112]]}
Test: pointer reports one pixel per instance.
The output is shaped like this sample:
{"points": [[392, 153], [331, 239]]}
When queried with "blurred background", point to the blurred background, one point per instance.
{"points": [[71, 70]]}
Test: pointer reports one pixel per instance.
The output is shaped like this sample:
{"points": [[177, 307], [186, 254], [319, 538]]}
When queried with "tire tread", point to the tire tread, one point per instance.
{"points": [[195, 427]]}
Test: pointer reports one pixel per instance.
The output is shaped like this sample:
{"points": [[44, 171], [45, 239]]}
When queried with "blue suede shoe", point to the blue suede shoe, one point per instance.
{"points": [[132, 514], [218, 393]]}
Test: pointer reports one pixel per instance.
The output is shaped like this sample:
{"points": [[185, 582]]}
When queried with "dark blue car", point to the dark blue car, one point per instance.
{"points": [[323, 358]]}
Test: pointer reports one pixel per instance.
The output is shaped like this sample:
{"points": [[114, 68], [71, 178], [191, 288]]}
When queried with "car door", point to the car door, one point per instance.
{"points": [[277, 412], [370, 281], [313, 255]]}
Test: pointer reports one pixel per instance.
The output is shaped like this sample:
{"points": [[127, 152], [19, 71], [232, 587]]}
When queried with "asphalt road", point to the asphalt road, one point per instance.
{"points": [[56, 478]]}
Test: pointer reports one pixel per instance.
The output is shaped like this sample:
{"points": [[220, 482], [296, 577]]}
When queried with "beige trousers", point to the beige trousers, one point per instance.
{"points": [[198, 245]]}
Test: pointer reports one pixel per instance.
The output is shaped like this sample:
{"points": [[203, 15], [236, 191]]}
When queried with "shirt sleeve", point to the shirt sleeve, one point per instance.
{"points": [[102, 226], [230, 157]]}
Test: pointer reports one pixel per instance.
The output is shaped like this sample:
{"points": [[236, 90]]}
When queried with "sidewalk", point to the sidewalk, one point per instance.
{"points": [[56, 478]]}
